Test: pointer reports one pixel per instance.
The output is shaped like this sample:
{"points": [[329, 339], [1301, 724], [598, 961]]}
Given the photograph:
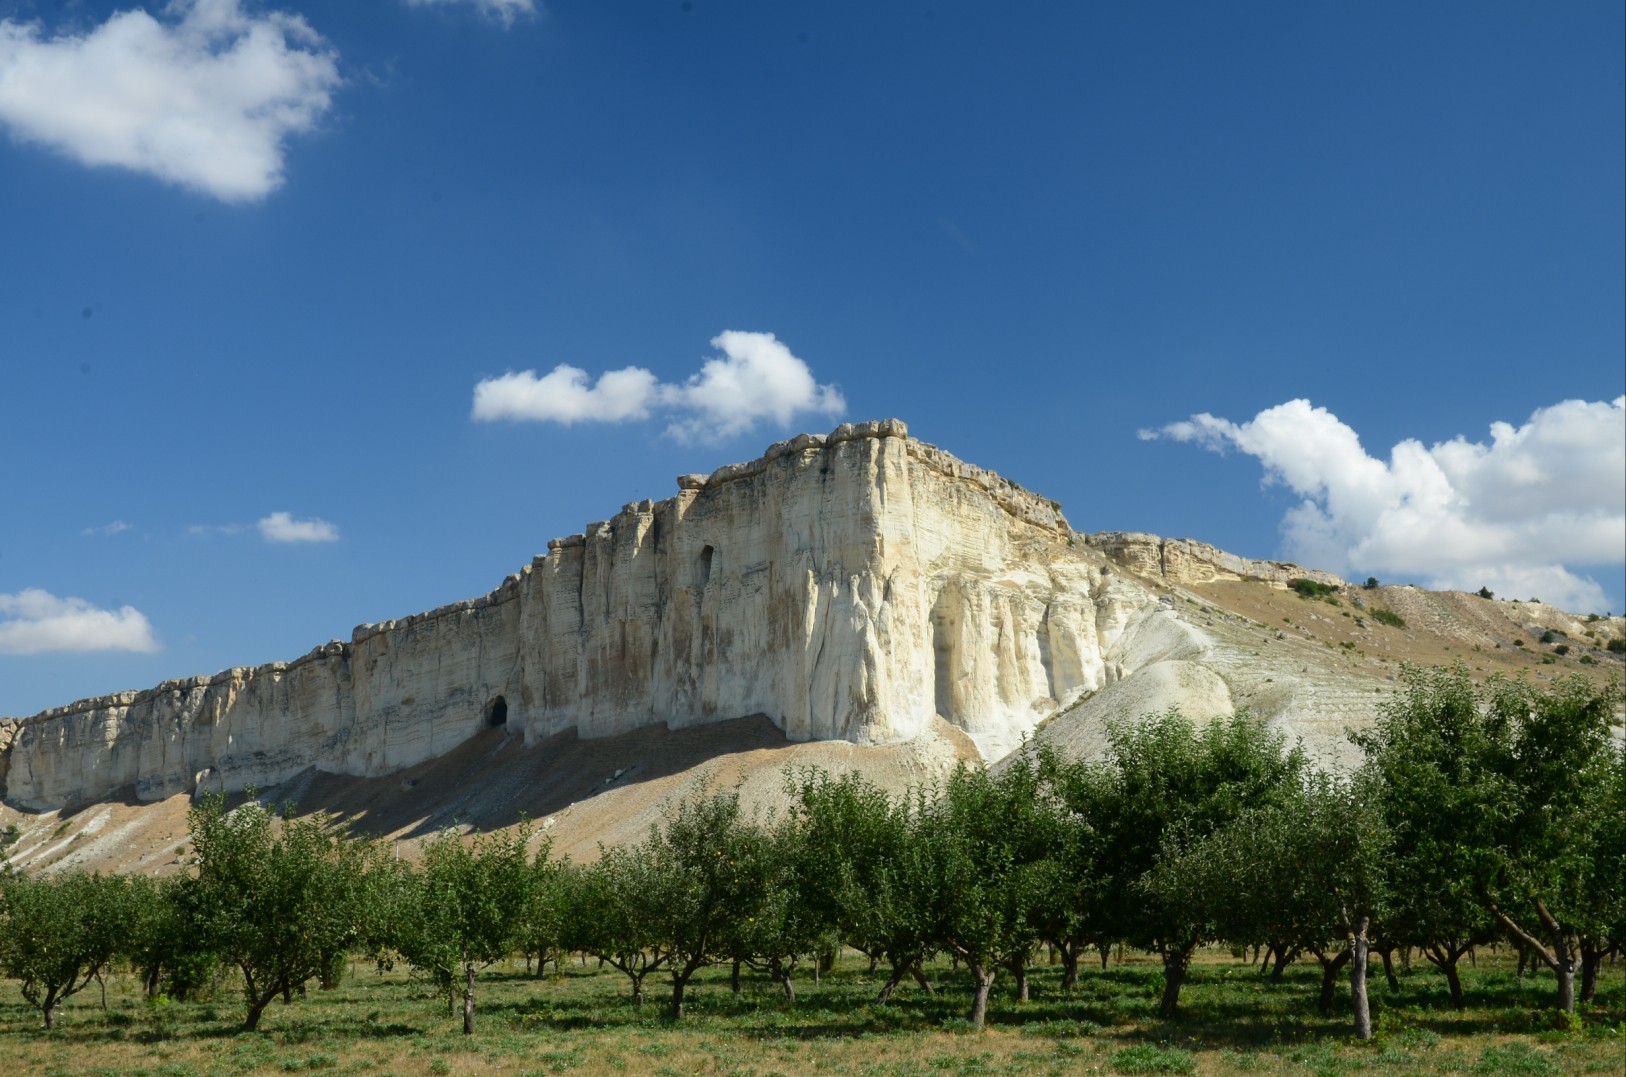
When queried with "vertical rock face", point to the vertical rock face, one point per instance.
{"points": [[847, 586]]}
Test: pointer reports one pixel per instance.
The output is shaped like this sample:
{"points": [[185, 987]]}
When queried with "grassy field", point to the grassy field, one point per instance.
{"points": [[581, 1023]]}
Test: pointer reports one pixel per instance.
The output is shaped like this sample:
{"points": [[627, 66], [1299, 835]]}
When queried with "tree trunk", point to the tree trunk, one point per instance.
{"points": [[679, 982], [1565, 969], [1175, 963], [1019, 972], [48, 1011], [734, 978], [1389, 969], [468, 999], [256, 1007], [1445, 959], [1284, 957], [1591, 963], [785, 984], [638, 990], [979, 1004], [1329, 977], [891, 984], [920, 978], [1069, 968], [1106, 949], [1357, 981]]}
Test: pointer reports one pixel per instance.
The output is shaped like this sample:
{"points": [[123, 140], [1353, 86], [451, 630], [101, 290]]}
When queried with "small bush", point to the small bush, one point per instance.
{"points": [[1616, 646], [1485, 592], [1312, 589], [1145, 1058], [1547, 636], [1389, 617], [1562, 649]]}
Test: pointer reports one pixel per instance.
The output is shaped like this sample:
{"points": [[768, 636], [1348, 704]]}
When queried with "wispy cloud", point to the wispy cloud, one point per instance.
{"points": [[1513, 514], [755, 378], [113, 528], [204, 97], [281, 527], [35, 622], [503, 11]]}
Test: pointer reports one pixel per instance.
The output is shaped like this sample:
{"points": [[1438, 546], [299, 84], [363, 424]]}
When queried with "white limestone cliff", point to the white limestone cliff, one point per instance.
{"points": [[848, 586]]}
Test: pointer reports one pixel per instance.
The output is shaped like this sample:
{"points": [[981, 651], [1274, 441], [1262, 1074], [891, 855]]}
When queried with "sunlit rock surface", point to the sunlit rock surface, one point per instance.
{"points": [[848, 586]]}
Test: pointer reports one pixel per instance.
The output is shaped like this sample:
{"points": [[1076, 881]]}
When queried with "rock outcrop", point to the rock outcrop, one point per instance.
{"points": [[849, 586], [1187, 561]]}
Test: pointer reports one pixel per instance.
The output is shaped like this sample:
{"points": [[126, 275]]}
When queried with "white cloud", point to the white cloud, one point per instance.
{"points": [[204, 98], [107, 529], [563, 396], [756, 377], [35, 621], [281, 527], [503, 11], [1510, 515]]}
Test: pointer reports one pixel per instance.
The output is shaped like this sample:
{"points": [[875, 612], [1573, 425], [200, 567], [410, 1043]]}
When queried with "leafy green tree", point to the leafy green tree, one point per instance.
{"points": [[775, 926], [465, 910], [1424, 758], [57, 934], [280, 898], [704, 860], [989, 845], [1548, 757], [543, 920], [612, 910], [1072, 919], [1164, 784], [865, 871], [1606, 870]]}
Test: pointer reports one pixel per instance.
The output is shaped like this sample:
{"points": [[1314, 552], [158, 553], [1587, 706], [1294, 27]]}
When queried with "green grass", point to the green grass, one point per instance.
{"points": [[580, 1022]]}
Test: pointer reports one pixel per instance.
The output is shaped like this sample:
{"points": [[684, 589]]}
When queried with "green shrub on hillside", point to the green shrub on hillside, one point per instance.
{"points": [[1388, 617], [1312, 589]]}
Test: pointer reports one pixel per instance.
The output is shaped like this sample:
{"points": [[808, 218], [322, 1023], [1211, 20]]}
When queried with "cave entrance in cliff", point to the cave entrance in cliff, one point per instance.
{"points": [[497, 712]]}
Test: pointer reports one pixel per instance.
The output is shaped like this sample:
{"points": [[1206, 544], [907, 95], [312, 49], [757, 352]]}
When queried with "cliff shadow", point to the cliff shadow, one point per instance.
{"points": [[492, 780]]}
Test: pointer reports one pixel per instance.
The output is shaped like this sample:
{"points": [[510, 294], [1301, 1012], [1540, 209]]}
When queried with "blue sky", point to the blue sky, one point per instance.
{"points": [[1189, 268]]}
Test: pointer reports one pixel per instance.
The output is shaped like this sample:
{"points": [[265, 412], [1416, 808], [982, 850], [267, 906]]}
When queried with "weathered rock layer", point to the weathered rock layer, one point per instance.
{"points": [[848, 586]]}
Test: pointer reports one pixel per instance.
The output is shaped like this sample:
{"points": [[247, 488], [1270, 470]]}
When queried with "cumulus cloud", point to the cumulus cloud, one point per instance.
{"points": [[35, 621], [756, 377], [108, 529], [204, 97], [281, 527], [1510, 514], [503, 11]]}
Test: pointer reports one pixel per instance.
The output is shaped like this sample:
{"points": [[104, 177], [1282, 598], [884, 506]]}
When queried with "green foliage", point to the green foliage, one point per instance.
{"points": [[1486, 593], [1166, 785], [1146, 1058], [1312, 588], [989, 844], [58, 933], [708, 868], [1371, 583], [1388, 617], [1616, 646], [283, 899], [463, 910], [863, 871]]}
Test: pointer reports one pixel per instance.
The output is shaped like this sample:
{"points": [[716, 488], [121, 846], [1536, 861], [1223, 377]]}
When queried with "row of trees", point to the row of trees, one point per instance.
{"points": [[1481, 811]]}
